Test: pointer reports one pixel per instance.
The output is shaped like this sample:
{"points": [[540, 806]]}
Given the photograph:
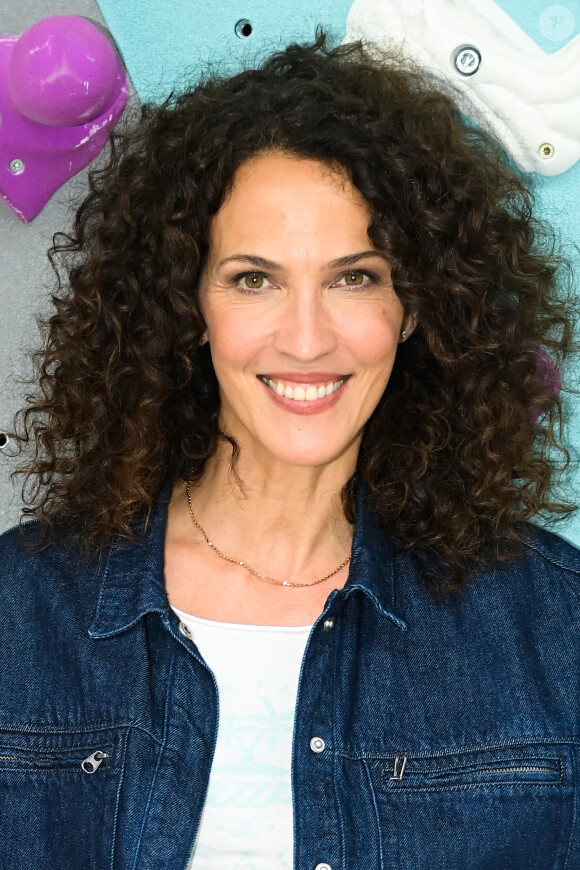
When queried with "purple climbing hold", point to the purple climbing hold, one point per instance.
{"points": [[62, 90], [62, 71]]}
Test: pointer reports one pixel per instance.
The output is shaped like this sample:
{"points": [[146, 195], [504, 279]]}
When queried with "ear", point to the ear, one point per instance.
{"points": [[407, 327], [204, 338]]}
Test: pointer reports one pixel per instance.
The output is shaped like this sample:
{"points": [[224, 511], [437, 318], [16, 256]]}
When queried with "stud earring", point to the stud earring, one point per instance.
{"points": [[403, 335]]}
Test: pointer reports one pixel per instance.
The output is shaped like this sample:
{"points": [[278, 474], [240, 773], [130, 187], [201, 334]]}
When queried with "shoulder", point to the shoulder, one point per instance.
{"points": [[41, 572], [21, 546], [551, 552], [543, 580], [18, 551]]}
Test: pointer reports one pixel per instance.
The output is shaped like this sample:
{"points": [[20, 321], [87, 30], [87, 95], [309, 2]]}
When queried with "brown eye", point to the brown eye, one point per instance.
{"points": [[354, 279], [254, 280]]}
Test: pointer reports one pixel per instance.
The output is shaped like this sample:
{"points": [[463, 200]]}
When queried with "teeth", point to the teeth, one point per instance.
{"points": [[299, 394]]}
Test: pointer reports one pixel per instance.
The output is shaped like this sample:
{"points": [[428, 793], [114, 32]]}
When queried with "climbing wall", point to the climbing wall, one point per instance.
{"points": [[515, 66]]}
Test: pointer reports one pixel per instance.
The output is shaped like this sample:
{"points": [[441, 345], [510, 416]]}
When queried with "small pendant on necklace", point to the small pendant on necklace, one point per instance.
{"points": [[285, 583]]}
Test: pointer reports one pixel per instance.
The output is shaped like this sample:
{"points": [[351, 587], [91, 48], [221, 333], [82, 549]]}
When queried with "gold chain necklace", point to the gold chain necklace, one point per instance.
{"points": [[245, 564]]}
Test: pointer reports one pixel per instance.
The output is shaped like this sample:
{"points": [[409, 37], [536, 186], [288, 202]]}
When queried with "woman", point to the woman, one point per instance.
{"points": [[296, 403]]}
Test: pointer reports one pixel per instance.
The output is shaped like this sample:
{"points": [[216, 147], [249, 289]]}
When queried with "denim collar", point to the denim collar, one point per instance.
{"points": [[372, 569], [133, 576], [133, 582]]}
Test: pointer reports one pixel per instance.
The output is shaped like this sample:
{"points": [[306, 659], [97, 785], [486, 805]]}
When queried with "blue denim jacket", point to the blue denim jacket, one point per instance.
{"points": [[448, 733]]}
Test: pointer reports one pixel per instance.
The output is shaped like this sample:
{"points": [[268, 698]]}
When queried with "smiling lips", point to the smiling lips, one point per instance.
{"points": [[303, 392]]}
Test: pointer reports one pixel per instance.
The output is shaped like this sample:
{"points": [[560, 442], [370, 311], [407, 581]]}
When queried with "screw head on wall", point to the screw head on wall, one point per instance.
{"points": [[546, 150], [467, 60]]}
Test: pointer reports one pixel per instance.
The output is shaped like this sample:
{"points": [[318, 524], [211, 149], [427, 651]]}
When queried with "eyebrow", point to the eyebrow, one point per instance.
{"points": [[262, 263]]}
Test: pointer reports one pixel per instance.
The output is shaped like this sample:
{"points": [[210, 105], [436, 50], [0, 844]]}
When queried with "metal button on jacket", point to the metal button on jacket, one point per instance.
{"points": [[317, 744], [323, 867], [185, 630]]}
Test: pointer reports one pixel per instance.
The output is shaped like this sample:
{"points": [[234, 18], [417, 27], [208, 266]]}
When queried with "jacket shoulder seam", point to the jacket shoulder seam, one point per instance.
{"points": [[563, 564]]}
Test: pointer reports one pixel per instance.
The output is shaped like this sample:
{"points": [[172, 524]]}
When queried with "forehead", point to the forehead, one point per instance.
{"points": [[266, 165], [291, 198]]}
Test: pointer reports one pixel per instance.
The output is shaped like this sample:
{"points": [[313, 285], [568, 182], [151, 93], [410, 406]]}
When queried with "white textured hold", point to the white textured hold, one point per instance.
{"points": [[523, 95]]}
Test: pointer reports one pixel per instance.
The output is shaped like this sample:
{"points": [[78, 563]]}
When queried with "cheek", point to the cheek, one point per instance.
{"points": [[234, 342], [375, 339]]}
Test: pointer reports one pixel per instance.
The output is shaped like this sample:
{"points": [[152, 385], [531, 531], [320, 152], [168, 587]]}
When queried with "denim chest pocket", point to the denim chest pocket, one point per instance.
{"points": [[476, 809], [58, 798]]}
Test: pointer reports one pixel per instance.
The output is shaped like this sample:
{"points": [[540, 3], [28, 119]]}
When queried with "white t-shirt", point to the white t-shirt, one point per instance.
{"points": [[247, 822]]}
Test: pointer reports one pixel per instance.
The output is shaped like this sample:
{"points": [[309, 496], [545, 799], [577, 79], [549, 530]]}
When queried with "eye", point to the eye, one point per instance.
{"points": [[354, 278], [357, 278], [250, 282], [253, 280]]}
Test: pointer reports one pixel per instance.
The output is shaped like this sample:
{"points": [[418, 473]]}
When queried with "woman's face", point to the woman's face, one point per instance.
{"points": [[302, 319]]}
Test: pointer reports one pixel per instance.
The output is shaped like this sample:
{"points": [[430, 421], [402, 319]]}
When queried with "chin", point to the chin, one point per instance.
{"points": [[310, 455]]}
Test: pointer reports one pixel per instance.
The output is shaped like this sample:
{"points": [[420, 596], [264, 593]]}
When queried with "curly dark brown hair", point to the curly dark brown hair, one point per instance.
{"points": [[464, 444]]}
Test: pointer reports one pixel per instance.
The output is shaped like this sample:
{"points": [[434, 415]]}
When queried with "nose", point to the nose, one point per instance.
{"points": [[306, 331]]}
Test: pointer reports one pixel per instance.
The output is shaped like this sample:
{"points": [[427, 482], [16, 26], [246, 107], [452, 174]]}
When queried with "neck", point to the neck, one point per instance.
{"points": [[286, 522]]}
